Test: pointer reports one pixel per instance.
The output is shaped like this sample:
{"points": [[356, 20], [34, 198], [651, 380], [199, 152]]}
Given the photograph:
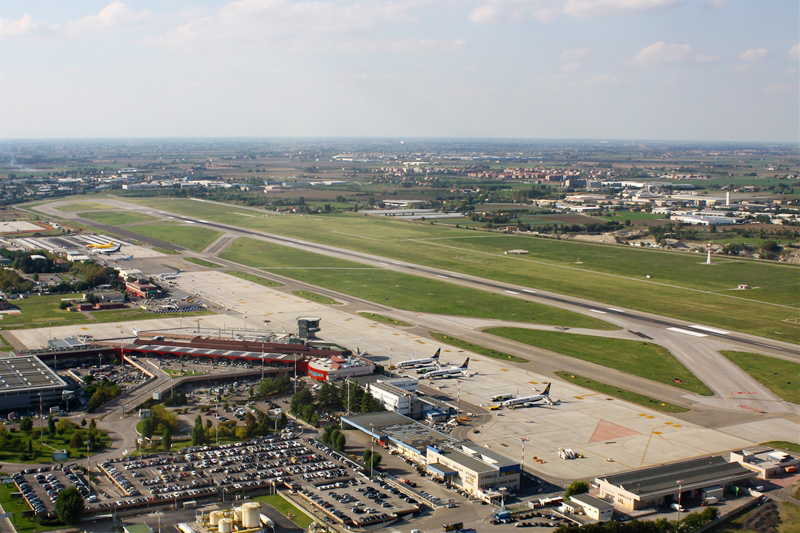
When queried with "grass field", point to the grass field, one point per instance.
{"points": [[622, 394], [117, 218], [778, 375], [255, 279], [466, 345], [641, 359], [165, 250], [681, 286], [783, 445], [396, 289], [286, 508], [193, 237], [85, 206], [202, 262], [314, 297], [385, 319]]}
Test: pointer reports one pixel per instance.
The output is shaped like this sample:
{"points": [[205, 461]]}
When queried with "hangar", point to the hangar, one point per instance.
{"points": [[662, 485]]}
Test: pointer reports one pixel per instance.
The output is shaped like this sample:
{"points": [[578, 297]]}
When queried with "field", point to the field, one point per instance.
{"points": [[466, 345], [193, 237], [641, 359], [778, 375], [314, 297], [385, 319], [399, 290], [117, 218], [202, 262], [622, 394], [681, 285], [85, 206], [255, 279], [287, 509]]}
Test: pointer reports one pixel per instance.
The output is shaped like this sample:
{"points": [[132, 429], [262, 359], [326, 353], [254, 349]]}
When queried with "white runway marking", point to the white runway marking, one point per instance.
{"points": [[615, 310], [597, 311], [712, 330], [687, 332], [512, 292]]}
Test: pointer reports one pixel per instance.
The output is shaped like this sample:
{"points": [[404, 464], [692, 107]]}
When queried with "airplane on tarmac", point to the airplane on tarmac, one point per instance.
{"points": [[169, 275], [527, 401], [124, 258], [416, 363], [95, 246], [449, 372], [108, 251]]}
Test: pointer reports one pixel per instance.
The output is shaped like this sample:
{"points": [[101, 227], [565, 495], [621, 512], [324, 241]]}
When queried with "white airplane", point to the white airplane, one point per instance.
{"points": [[128, 258], [449, 372], [414, 363], [527, 401], [135, 331], [108, 251], [169, 275]]}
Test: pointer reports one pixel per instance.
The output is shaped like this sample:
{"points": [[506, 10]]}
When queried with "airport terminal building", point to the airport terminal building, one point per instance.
{"points": [[23, 379]]}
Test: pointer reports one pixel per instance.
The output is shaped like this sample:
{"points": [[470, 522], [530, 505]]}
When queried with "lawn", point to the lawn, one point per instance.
{"points": [[680, 286], [85, 206], [166, 250], [193, 237], [622, 394], [778, 375], [385, 319], [286, 508], [202, 262], [255, 279], [117, 218], [466, 345], [51, 444], [783, 445], [397, 289], [314, 297], [642, 359]]}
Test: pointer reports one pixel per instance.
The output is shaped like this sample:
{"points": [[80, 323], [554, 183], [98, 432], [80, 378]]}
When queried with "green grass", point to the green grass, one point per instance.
{"points": [[21, 524], [385, 319], [117, 218], [622, 394], [642, 359], [629, 215], [85, 206], [314, 297], [783, 445], [778, 375], [202, 262], [397, 289], [488, 352], [165, 250], [681, 285], [255, 279], [193, 237], [180, 373], [51, 444], [283, 506]]}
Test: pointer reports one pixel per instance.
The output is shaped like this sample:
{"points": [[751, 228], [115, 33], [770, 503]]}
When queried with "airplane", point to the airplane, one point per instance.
{"points": [[95, 246], [169, 275], [124, 258], [135, 331], [108, 251], [449, 372], [420, 362], [526, 401]]}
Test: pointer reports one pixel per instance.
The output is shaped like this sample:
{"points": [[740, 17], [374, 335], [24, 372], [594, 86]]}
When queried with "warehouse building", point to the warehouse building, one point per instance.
{"points": [[479, 471], [592, 507], [766, 464], [23, 379], [662, 485]]}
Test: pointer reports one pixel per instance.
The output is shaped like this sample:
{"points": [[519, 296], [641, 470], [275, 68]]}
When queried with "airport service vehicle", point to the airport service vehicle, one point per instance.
{"points": [[502, 397], [415, 363], [455, 526], [449, 372], [526, 401]]}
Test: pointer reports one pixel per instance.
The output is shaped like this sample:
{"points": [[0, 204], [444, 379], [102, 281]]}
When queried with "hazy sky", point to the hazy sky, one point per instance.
{"points": [[604, 69]]}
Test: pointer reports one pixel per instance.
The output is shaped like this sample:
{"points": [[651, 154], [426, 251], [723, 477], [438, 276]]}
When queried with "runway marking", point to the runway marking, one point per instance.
{"points": [[440, 276], [455, 275], [687, 332], [511, 292], [395, 263], [597, 311], [615, 310], [605, 431], [712, 330]]}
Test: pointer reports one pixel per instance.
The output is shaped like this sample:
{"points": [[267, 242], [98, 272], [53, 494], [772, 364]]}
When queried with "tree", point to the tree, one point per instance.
{"points": [[70, 506], [51, 426], [166, 439], [26, 424], [576, 487], [198, 434], [371, 460]]}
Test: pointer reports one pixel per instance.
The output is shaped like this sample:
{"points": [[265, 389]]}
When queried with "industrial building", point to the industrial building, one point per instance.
{"points": [[479, 471], [766, 464], [25, 380], [399, 395], [592, 507], [662, 485]]}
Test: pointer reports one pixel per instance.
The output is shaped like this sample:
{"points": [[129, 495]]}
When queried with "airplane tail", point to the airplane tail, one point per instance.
{"points": [[546, 390], [466, 364], [436, 355]]}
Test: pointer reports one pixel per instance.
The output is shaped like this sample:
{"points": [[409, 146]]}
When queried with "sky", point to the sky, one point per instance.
{"points": [[706, 70]]}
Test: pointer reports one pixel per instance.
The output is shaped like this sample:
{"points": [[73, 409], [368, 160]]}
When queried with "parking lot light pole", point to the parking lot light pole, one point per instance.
{"points": [[41, 417], [371, 447], [522, 471], [680, 490]]}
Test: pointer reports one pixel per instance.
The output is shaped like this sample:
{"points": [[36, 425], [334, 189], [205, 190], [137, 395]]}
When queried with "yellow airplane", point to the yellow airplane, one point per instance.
{"points": [[100, 246]]}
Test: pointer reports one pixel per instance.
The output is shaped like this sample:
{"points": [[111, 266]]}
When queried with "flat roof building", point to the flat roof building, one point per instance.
{"points": [[766, 464], [473, 468], [592, 507], [24, 378], [662, 485]]}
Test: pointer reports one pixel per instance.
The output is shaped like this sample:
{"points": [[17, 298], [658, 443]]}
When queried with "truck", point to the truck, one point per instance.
{"points": [[455, 526], [711, 500]]}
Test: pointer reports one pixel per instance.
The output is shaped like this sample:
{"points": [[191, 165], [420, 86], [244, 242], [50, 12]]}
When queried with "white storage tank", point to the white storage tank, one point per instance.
{"points": [[251, 515], [225, 525], [213, 518], [237, 514]]}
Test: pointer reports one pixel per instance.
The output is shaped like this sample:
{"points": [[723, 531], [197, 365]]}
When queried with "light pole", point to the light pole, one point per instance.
{"points": [[522, 471], [216, 418], [458, 401], [680, 490], [41, 417], [371, 447]]}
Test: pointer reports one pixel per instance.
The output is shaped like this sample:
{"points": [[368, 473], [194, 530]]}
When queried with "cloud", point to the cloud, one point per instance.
{"points": [[485, 13], [754, 54], [577, 54], [12, 28], [547, 10], [425, 46], [602, 79], [717, 3], [600, 8], [706, 58], [570, 66], [794, 52], [777, 88], [662, 52]]}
